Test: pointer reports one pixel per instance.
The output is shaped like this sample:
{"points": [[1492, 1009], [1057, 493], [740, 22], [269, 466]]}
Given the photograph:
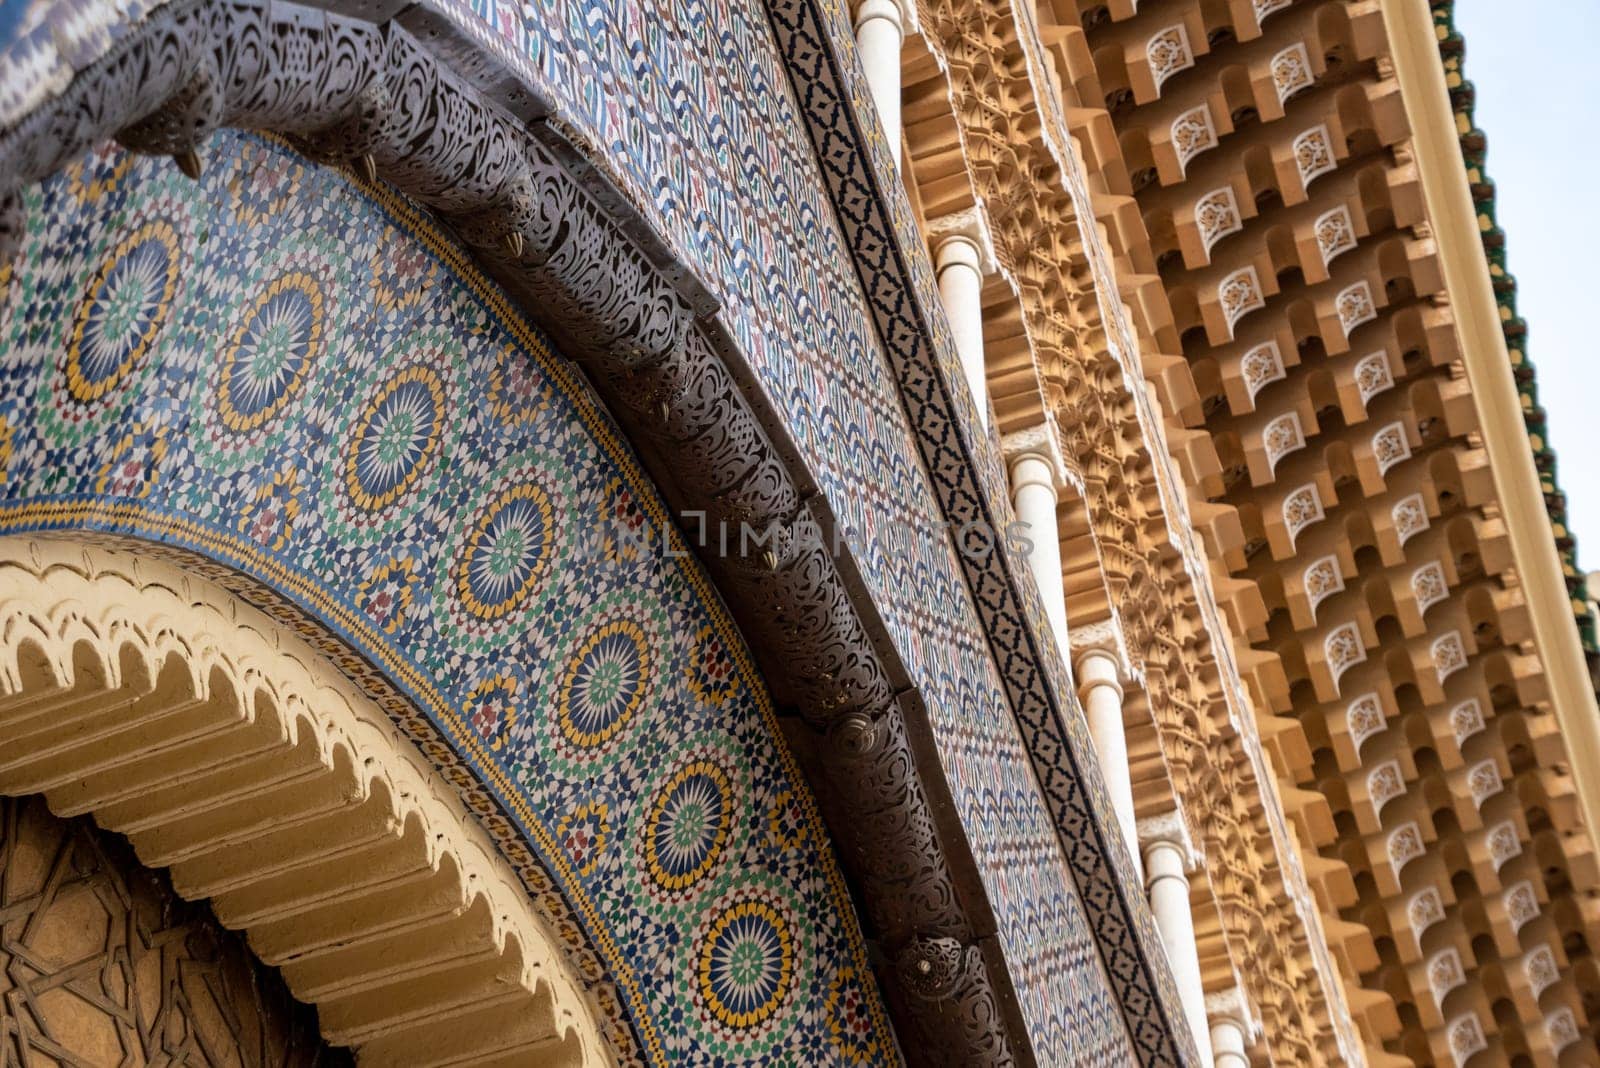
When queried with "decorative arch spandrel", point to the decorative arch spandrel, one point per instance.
{"points": [[300, 387]]}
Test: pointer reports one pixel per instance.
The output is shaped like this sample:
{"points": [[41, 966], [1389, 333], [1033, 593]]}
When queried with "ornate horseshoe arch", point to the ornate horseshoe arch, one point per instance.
{"points": [[405, 96], [534, 214], [232, 754]]}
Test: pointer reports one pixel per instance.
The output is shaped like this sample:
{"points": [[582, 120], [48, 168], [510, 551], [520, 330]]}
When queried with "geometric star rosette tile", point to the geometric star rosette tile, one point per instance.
{"points": [[277, 372]]}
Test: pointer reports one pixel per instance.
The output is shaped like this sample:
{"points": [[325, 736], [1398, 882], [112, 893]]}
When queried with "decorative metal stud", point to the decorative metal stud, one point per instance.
{"points": [[188, 162]]}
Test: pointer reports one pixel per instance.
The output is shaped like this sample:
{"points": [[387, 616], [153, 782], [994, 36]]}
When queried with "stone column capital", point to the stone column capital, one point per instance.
{"points": [[1233, 1006], [1169, 831], [1096, 668], [1101, 641], [963, 237], [1040, 442]]}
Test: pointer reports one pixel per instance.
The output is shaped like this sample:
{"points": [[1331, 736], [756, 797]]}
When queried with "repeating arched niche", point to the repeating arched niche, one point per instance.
{"points": [[234, 755]]}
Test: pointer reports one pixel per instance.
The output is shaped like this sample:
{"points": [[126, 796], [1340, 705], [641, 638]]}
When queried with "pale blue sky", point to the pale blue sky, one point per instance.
{"points": [[1536, 94]]}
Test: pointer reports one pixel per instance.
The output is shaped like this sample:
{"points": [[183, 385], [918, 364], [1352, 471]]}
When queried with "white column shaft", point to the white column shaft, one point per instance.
{"points": [[879, 35], [961, 286], [1033, 494], [1168, 885], [1101, 693], [1228, 1044]]}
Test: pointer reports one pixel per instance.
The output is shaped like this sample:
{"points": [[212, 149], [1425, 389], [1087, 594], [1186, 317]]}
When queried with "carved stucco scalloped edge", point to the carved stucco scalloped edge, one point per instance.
{"points": [[542, 218], [64, 599]]}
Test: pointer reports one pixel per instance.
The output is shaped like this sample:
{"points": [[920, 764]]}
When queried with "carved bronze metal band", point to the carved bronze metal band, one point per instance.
{"points": [[481, 154]]}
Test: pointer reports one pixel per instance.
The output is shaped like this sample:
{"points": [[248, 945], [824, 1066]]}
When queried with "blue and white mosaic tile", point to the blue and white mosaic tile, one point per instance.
{"points": [[278, 372], [731, 181]]}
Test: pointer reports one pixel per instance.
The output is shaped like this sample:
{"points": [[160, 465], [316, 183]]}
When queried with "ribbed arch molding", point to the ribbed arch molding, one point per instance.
{"points": [[230, 753]]}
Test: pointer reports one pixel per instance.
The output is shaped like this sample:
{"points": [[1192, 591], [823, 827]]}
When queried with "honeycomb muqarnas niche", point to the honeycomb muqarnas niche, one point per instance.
{"points": [[295, 379]]}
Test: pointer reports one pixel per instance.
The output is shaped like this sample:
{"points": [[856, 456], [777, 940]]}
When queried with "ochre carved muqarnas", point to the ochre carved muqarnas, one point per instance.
{"points": [[234, 757], [1018, 154], [1241, 266]]}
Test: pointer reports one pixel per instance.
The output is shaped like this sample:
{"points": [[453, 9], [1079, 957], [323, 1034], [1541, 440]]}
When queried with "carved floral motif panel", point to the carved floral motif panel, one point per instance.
{"points": [[1216, 215]]}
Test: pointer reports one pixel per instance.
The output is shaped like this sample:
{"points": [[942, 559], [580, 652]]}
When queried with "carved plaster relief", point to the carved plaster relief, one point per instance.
{"points": [[1428, 586], [1260, 366], [1192, 134], [1561, 1028], [1449, 655], [1322, 580], [1335, 233], [1410, 517], [1343, 650], [1445, 974], [1364, 718], [1503, 843], [1385, 783], [1373, 376], [1216, 215], [1539, 965], [1483, 782], [1291, 71], [1281, 437], [1301, 508], [1389, 447], [1521, 904], [1424, 910], [1168, 52], [1239, 294], [1354, 306], [1466, 719], [1313, 154], [1404, 846], [1466, 1037]]}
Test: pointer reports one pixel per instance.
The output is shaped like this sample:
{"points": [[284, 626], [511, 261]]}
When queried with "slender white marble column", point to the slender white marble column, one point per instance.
{"points": [[1168, 856], [1233, 1028], [880, 31], [1099, 673], [962, 254], [1037, 474]]}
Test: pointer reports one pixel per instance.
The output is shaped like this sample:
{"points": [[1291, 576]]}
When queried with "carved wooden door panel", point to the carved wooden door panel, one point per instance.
{"points": [[102, 965]]}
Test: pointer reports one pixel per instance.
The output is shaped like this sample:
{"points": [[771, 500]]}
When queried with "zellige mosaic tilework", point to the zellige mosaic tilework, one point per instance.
{"points": [[272, 369], [688, 106]]}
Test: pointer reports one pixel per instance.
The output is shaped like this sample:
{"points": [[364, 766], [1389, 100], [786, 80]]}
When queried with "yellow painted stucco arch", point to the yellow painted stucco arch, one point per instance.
{"points": [[231, 753]]}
